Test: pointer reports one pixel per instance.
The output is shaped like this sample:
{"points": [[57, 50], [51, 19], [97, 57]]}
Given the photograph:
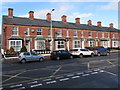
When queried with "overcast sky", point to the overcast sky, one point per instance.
{"points": [[106, 12]]}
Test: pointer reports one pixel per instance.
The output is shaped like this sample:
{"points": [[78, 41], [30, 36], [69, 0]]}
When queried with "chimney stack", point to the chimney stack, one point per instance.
{"points": [[111, 25], [48, 16], [89, 22], [77, 20], [64, 18], [31, 15], [99, 23], [10, 12]]}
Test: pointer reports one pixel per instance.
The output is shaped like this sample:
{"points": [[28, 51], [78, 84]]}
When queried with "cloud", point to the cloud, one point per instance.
{"points": [[110, 6]]}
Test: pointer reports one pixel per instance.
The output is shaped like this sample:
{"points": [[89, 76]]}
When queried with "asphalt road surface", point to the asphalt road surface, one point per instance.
{"points": [[87, 72]]}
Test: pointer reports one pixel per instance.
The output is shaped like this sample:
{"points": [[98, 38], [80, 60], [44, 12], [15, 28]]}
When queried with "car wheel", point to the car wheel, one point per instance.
{"points": [[81, 55], [23, 61], [92, 55], [107, 54], [99, 54], [41, 59], [71, 57], [58, 58]]}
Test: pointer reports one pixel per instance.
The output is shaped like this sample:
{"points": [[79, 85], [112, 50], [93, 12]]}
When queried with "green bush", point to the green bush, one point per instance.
{"points": [[23, 49], [11, 51]]}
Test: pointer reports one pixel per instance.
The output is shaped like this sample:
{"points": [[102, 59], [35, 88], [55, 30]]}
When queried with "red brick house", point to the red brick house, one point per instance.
{"points": [[35, 34]]}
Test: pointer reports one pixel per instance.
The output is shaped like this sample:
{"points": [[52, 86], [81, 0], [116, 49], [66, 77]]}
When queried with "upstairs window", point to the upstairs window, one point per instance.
{"points": [[14, 30], [39, 31], [27, 31], [96, 34], [102, 34], [49, 31], [90, 34], [59, 32], [75, 33]]}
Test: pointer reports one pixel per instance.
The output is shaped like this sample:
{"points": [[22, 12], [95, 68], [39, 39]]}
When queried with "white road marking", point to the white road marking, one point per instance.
{"points": [[50, 82], [94, 73], [32, 82], [47, 79], [70, 75], [101, 71], [79, 73], [96, 69], [64, 79], [16, 85], [58, 77], [88, 71], [85, 75], [36, 85], [19, 88], [56, 70], [111, 73], [76, 77]]}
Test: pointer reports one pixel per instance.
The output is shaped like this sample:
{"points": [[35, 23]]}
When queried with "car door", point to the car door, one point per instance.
{"points": [[27, 56], [34, 56], [66, 54]]}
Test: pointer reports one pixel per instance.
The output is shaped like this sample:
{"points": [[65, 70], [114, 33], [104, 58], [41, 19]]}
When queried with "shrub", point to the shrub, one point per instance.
{"points": [[11, 51], [23, 49]]}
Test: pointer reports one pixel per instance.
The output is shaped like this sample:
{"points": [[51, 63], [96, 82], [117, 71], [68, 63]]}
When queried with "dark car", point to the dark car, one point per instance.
{"points": [[61, 54], [101, 51]]}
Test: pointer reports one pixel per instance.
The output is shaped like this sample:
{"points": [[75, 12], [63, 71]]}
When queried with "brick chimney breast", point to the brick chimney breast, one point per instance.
{"points": [[77, 20], [10, 12], [99, 23], [31, 15], [48, 16], [64, 18], [111, 25], [89, 22]]}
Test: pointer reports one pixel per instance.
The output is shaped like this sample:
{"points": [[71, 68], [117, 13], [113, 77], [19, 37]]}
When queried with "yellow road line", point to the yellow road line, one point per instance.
{"points": [[51, 76]]}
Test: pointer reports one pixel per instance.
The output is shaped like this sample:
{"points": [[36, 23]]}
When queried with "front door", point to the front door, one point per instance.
{"points": [[28, 46]]}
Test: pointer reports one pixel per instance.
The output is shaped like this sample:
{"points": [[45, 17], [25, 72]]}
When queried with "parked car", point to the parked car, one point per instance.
{"points": [[61, 54], [30, 56], [101, 51], [82, 52]]}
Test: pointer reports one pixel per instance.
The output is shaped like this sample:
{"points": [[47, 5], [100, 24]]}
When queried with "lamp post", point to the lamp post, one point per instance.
{"points": [[51, 31]]}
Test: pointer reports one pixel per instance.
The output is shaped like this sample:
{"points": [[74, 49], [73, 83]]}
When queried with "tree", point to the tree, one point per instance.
{"points": [[23, 49]]}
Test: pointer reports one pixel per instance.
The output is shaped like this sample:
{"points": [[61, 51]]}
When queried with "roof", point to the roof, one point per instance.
{"points": [[55, 24]]}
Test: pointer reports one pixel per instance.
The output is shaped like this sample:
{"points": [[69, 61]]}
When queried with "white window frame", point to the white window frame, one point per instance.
{"points": [[67, 33], [60, 44], [37, 46], [59, 31], [96, 34], [78, 44], [27, 31], [102, 34], [75, 33], [105, 43], [15, 44], [41, 31], [15, 30], [93, 43], [90, 34]]}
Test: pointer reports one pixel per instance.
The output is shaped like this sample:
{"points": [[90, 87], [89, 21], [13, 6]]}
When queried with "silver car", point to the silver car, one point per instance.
{"points": [[30, 56]]}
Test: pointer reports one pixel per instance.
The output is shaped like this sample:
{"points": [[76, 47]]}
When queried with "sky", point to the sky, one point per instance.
{"points": [[106, 12]]}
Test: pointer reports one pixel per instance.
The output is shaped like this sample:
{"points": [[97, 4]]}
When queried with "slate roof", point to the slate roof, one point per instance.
{"points": [[56, 24]]}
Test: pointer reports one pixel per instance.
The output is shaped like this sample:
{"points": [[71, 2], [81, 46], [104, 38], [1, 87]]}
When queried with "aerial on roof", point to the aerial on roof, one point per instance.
{"points": [[56, 24]]}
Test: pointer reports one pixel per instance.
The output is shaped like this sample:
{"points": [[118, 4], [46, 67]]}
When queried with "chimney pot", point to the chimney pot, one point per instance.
{"points": [[99, 23], [10, 12], [111, 25], [48, 16], [64, 18], [89, 22], [77, 20], [31, 15]]}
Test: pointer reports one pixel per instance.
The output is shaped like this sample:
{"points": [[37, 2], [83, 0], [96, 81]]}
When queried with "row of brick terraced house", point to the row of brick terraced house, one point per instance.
{"points": [[35, 34]]}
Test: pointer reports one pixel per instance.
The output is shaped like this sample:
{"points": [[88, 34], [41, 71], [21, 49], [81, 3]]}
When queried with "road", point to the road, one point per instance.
{"points": [[87, 72]]}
